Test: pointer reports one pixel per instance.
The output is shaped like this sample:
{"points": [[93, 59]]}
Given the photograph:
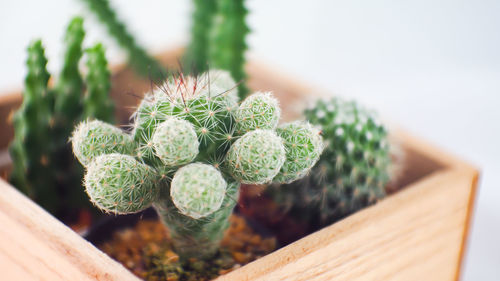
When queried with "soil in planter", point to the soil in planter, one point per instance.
{"points": [[146, 250]]}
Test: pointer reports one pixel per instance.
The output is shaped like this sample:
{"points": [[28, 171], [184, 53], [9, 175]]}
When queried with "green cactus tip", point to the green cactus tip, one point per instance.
{"points": [[303, 145], [256, 158], [93, 138], [198, 190], [119, 184]]}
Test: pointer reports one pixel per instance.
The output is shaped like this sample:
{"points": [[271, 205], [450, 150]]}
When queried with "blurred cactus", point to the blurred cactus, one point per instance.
{"points": [[138, 58], [189, 160], [31, 124], [353, 170], [196, 59], [67, 103], [227, 44], [43, 166], [98, 81]]}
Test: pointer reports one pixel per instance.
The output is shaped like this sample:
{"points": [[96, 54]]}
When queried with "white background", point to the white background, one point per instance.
{"points": [[432, 66]]}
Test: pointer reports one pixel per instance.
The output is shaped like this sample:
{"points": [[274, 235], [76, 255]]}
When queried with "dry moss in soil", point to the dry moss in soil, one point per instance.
{"points": [[146, 250]]}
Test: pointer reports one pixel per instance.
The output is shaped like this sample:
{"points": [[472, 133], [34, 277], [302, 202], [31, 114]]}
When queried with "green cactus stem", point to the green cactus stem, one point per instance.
{"points": [[141, 62], [97, 102], [67, 104], [184, 133], [196, 59], [227, 44], [31, 122]]}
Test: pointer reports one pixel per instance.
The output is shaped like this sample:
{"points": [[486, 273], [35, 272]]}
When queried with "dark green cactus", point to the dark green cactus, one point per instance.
{"points": [[227, 44], [98, 81], [141, 62], [196, 60], [31, 124], [189, 160], [67, 103], [353, 170], [43, 165]]}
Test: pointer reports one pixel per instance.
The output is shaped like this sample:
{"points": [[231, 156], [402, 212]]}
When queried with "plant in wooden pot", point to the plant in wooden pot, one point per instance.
{"points": [[43, 166], [191, 147]]}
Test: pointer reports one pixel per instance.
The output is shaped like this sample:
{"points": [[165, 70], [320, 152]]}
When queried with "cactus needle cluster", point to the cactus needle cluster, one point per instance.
{"points": [[191, 146]]}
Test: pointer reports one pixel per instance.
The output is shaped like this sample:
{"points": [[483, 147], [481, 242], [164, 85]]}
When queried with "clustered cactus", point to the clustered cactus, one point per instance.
{"points": [[353, 170], [190, 148], [43, 166]]}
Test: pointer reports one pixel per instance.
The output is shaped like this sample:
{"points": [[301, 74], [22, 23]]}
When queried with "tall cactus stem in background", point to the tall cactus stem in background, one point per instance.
{"points": [[227, 44], [67, 104], [43, 165], [141, 62], [197, 53], [31, 163], [97, 103]]}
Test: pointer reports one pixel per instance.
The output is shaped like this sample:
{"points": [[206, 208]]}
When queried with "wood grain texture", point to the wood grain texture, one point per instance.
{"points": [[415, 234], [419, 233], [36, 246]]}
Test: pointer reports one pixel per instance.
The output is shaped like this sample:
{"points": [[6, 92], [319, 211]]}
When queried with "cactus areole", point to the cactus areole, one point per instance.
{"points": [[191, 146]]}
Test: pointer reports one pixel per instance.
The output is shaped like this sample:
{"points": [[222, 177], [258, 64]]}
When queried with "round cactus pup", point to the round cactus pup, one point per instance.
{"points": [[198, 190], [93, 138], [117, 183], [256, 157], [175, 142], [303, 145], [259, 111]]}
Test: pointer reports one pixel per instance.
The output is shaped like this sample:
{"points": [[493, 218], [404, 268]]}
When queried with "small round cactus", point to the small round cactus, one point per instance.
{"points": [[117, 183], [198, 190], [303, 145], [93, 138], [175, 142], [256, 157], [258, 111], [186, 120]]}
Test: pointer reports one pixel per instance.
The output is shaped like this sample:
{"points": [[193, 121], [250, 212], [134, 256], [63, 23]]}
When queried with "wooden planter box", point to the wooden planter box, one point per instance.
{"points": [[418, 233]]}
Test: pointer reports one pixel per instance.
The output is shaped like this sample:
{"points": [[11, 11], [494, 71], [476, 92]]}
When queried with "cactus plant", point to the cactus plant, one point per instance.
{"points": [[227, 44], [98, 81], [138, 58], [351, 173], [188, 161], [196, 59], [43, 165]]}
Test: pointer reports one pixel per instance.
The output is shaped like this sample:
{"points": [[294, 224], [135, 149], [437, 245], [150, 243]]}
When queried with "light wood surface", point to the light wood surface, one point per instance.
{"points": [[419, 233], [36, 246]]}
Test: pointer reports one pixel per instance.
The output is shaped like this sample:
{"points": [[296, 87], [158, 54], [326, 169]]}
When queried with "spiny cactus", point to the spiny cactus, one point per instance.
{"points": [[304, 145], [141, 62], [43, 166], [190, 157], [227, 44], [351, 173]]}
